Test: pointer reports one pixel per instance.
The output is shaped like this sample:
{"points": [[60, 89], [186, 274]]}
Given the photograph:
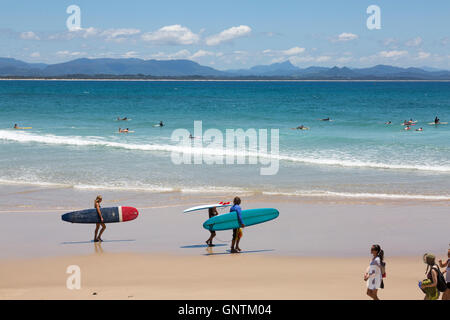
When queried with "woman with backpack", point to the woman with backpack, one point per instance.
{"points": [[375, 271], [435, 282]]}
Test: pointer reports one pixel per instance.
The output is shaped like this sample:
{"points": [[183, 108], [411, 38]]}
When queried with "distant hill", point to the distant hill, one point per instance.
{"points": [[139, 68]]}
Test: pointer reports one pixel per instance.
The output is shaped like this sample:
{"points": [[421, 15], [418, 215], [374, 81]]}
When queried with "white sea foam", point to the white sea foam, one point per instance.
{"points": [[363, 195], [25, 137]]}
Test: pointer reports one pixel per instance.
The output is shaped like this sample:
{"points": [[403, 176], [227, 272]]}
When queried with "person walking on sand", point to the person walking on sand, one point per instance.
{"points": [[212, 212], [237, 233], [98, 238], [374, 273], [429, 285], [446, 295]]}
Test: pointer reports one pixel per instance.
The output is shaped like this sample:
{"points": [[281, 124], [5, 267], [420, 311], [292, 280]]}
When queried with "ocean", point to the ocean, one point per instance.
{"points": [[74, 140]]}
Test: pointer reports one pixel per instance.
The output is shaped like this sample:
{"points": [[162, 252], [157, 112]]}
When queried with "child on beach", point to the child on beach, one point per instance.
{"points": [[97, 202], [212, 212], [237, 233], [374, 273], [446, 295]]}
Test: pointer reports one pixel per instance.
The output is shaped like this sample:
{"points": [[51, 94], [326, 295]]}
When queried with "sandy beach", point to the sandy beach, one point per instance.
{"points": [[316, 249], [244, 276]]}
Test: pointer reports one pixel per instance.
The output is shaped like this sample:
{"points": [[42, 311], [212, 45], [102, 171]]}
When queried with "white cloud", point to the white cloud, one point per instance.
{"points": [[130, 54], [228, 35], [423, 55], [293, 51], [323, 58], [282, 54], [393, 54], [414, 42], [390, 42], [76, 33], [119, 34], [35, 55], [172, 35], [66, 53], [202, 53], [345, 36], [29, 35]]}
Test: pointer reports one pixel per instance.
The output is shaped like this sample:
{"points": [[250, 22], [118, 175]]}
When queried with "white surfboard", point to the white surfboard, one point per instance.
{"points": [[207, 206], [432, 123]]}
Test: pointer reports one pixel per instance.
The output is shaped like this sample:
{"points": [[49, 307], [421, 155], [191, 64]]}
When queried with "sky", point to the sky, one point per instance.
{"points": [[230, 34]]}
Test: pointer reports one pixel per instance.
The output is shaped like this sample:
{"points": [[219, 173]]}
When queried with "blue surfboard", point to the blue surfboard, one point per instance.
{"points": [[110, 215], [250, 217]]}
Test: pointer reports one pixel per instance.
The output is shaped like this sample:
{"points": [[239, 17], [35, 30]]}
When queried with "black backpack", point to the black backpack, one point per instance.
{"points": [[441, 283]]}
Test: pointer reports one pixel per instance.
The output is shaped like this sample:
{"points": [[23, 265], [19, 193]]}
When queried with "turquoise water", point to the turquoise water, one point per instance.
{"points": [[74, 140]]}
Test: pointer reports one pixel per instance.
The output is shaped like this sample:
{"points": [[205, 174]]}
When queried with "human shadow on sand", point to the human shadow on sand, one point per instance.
{"points": [[92, 241], [203, 246], [245, 251]]}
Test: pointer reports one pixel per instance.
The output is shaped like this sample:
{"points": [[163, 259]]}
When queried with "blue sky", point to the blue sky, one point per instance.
{"points": [[231, 34]]}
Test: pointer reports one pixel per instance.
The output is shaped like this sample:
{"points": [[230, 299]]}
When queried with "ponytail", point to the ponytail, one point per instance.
{"points": [[380, 252]]}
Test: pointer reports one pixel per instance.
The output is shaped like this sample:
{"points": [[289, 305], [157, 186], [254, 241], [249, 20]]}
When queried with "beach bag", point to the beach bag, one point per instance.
{"points": [[441, 283], [383, 269], [431, 293]]}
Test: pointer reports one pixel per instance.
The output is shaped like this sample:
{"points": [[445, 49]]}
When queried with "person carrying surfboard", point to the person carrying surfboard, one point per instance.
{"points": [[97, 202], [237, 233], [212, 212]]}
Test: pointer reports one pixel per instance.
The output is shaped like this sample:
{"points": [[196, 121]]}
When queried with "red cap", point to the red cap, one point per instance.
{"points": [[129, 213]]}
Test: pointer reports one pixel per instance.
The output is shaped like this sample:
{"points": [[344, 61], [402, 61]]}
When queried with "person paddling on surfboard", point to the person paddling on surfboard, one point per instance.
{"points": [[98, 238], [212, 212], [436, 120], [237, 233]]}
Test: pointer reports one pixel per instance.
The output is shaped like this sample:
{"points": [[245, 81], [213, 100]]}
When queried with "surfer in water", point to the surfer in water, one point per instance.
{"points": [[161, 124], [123, 130], [326, 119], [212, 212], [436, 120], [122, 119], [98, 238], [389, 122], [16, 126], [237, 233]]}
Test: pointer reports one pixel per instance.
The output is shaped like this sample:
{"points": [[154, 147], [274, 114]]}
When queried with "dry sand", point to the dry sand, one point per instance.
{"points": [[229, 276]]}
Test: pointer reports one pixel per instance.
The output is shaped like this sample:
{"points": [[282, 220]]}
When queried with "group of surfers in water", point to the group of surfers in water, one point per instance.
{"points": [[127, 130], [411, 122]]}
